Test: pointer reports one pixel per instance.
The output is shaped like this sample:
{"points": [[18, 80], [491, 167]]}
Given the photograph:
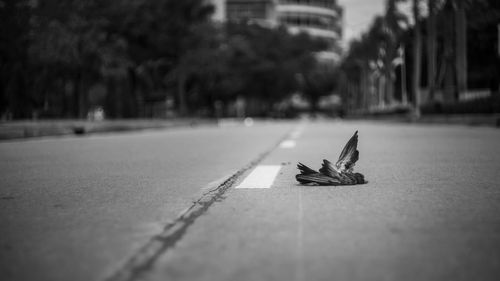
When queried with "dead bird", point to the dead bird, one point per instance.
{"points": [[339, 174]]}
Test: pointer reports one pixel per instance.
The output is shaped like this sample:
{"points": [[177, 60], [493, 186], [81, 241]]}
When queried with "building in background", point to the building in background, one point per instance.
{"points": [[258, 11], [318, 18]]}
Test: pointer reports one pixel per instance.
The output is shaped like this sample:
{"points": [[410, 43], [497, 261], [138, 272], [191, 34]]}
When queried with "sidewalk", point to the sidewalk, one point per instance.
{"points": [[43, 128], [470, 119], [491, 120]]}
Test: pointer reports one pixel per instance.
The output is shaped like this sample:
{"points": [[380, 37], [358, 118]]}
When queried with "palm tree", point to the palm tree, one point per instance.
{"points": [[417, 53], [394, 24], [461, 43], [431, 48], [453, 71]]}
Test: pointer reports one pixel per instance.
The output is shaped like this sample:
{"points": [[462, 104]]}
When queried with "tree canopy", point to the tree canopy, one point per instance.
{"points": [[140, 54]]}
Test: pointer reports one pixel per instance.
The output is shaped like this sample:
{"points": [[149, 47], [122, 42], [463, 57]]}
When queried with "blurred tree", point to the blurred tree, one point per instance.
{"points": [[319, 82], [431, 46], [371, 60], [161, 33], [53, 53], [14, 34], [461, 46], [69, 36], [417, 53], [132, 45], [268, 60], [394, 24], [483, 17], [474, 63]]}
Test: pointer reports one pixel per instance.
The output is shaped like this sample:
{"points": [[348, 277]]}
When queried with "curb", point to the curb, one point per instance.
{"points": [[465, 120], [28, 130]]}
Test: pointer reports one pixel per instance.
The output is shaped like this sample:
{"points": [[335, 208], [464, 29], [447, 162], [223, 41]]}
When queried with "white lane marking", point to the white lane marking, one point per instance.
{"points": [[288, 144], [261, 177]]}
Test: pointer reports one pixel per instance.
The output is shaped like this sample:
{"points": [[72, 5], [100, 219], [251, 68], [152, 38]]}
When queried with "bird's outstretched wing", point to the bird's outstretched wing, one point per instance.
{"points": [[339, 174], [310, 176], [328, 169], [348, 156]]}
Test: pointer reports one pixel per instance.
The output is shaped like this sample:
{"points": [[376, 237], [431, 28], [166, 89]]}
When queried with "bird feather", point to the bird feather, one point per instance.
{"points": [[349, 155], [339, 174], [308, 176]]}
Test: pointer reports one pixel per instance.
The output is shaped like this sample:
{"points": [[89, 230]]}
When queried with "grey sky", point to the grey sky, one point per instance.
{"points": [[358, 14]]}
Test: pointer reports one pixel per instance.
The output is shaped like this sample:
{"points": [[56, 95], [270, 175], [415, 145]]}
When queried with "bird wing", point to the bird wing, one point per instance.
{"points": [[317, 179], [344, 178], [328, 169], [310, 176], [349, 155]]}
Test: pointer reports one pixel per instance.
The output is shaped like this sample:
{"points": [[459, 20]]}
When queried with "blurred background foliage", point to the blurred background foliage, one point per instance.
{"points": [[438, 57], [167, 58], [142, 58]]}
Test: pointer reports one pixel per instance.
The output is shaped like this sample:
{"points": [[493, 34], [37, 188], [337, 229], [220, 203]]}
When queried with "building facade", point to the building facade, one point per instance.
{"points": [[259, 11], [318, 18]]}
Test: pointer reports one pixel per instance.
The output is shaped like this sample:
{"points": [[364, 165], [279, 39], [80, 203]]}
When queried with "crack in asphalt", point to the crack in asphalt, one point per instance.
{"points": [[173, 232]]}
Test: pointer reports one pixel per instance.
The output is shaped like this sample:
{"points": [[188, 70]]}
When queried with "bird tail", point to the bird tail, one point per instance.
{"points": [[304, 170]]}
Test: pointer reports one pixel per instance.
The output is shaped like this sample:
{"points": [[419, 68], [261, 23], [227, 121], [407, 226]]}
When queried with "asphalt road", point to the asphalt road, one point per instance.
{"points": [[80, 208], [76, 208]]}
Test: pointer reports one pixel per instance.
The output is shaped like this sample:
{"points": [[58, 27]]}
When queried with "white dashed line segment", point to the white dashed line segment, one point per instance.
{"points": [[261, 177], [288, 144]]}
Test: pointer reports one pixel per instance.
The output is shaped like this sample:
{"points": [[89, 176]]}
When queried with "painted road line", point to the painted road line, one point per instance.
{"points": [[261, 177], [288, 144]]}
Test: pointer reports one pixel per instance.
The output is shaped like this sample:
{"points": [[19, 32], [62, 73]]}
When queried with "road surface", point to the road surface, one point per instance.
{"points": [[88, 208]]}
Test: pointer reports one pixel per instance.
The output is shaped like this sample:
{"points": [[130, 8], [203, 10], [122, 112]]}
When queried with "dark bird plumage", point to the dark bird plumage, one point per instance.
{"points": [[339, 174]]}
